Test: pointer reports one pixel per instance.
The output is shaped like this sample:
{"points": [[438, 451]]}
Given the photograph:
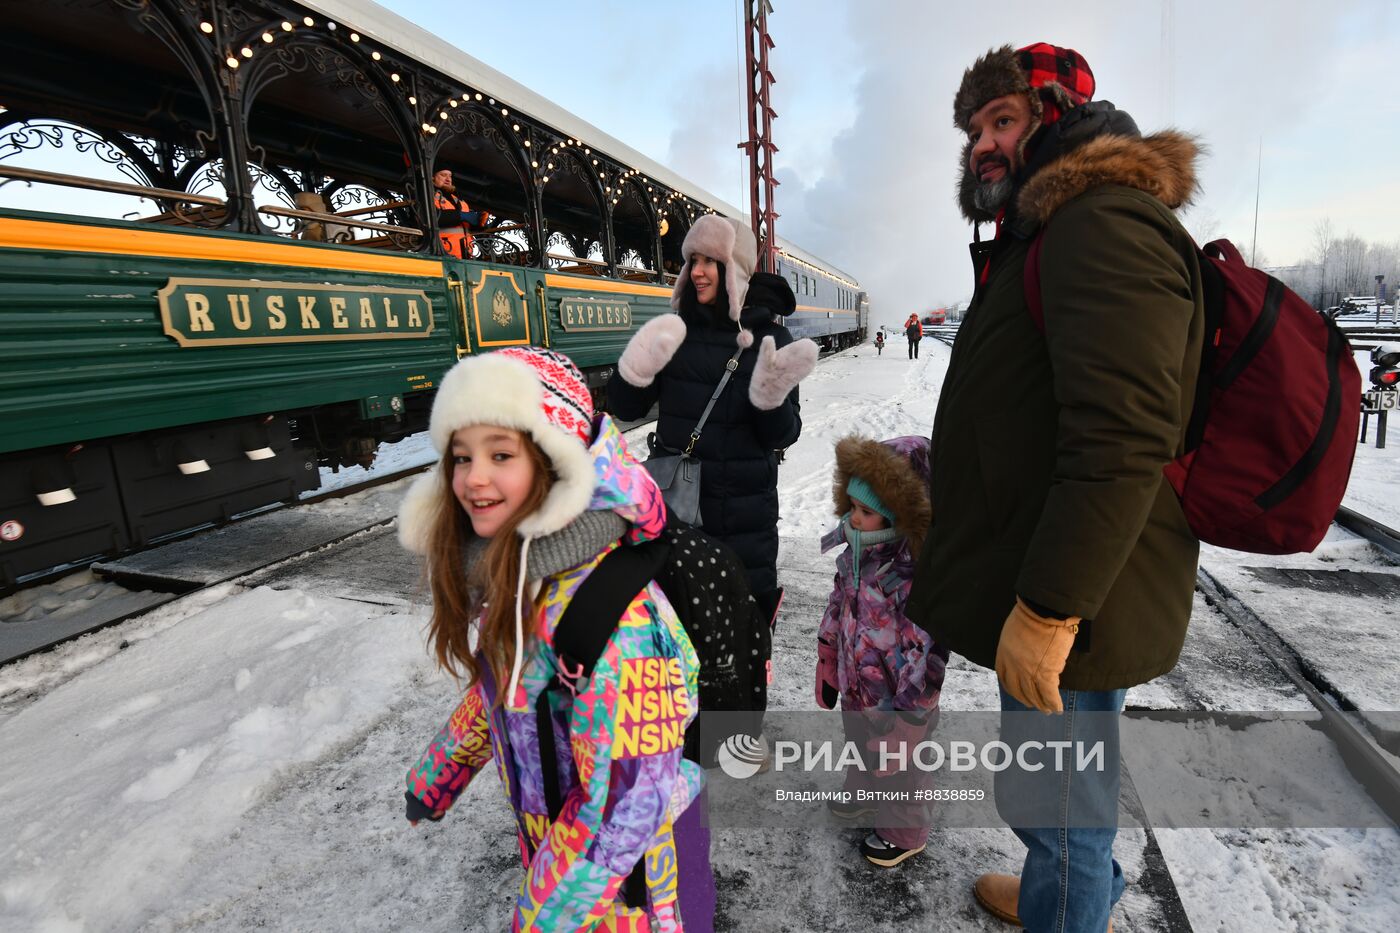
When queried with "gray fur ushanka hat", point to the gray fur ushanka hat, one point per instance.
{"points": [[726, 241]]}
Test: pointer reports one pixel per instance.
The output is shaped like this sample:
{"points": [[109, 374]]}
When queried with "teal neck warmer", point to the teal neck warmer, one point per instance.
{"points": [[860, 540]]}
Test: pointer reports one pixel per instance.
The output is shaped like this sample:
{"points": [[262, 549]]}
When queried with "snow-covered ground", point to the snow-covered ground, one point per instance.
{"points": [[235, 758]]}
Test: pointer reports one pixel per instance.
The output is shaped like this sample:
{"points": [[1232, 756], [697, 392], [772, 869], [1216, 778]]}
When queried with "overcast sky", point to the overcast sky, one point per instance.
{"points": [[864, 96]]}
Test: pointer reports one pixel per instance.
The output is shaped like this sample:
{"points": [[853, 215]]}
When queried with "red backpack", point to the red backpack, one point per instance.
{"points": [[1273, 428]]}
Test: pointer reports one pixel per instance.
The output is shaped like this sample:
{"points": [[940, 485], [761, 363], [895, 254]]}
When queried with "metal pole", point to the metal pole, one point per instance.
{"points": [[759, 145]]}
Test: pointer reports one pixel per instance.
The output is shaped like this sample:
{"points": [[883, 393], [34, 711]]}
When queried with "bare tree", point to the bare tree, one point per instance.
{"points": [[1323, 239], [1203, 223]]}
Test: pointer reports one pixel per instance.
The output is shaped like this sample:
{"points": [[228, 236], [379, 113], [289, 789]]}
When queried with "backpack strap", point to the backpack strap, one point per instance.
{"points": [[1213, 286], [579, 639]]}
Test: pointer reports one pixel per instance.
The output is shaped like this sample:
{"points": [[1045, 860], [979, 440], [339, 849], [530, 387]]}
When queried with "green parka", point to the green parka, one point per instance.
{"points": [[1047, 449]]}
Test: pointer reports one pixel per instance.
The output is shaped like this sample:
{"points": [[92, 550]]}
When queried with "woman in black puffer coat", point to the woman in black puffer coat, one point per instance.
{"points": [[677, 360]]}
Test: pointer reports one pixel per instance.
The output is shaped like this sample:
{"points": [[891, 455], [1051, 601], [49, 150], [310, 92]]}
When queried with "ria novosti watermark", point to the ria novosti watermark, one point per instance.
{"points": [[737, 756], [987, 769]]}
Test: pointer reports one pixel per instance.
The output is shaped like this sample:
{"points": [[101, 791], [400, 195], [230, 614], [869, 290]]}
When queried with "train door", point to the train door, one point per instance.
{"points": [[499, 306]]}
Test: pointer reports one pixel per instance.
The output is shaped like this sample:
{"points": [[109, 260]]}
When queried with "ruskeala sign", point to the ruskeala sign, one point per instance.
{"points": [[229, 312]]}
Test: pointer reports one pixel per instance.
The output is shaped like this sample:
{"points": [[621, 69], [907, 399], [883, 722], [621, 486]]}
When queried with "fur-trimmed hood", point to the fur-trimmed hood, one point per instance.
{"points": [[1162, 165], [1094, 144], [897, 469]]}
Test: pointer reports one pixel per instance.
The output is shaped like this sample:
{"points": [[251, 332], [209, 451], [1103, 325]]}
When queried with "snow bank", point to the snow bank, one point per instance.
{"points": [[130, 770]]}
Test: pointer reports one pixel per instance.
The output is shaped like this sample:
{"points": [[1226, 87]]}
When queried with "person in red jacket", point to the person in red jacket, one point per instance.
{"points": [[915, 332]]}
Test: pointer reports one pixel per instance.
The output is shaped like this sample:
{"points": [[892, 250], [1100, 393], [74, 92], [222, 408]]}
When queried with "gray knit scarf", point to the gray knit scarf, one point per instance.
{"points": [[568, 547]]}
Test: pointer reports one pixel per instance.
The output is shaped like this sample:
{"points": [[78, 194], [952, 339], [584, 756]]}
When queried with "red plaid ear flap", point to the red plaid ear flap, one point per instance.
{"points": [[1061, 77]]}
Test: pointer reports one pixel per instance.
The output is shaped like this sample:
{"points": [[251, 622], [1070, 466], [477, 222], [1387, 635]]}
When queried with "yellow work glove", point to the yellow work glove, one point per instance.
{"points": [[1031, 655]]}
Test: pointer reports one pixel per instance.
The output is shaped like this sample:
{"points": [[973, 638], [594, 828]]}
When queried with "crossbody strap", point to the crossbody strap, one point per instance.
{"points": [[729, 368]]}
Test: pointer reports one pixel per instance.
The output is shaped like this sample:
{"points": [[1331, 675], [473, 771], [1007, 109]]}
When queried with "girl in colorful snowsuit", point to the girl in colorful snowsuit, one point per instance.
{"points": [[532, 492], [870, 657]]}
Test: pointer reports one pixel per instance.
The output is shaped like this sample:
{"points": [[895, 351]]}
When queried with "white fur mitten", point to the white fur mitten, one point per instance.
{"points": [[778, 372], [650, 349]]}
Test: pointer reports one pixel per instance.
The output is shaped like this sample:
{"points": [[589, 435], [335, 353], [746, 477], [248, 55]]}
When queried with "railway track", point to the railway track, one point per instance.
{"points": [[139, 588], [48, 576]]}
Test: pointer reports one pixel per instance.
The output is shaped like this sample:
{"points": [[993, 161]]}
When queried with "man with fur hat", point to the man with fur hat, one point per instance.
{"points": [[676, 361], [1058, 553]]}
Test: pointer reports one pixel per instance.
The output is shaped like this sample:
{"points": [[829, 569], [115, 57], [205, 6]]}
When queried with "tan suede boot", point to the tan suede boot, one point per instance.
{"points": [[998, 895]]}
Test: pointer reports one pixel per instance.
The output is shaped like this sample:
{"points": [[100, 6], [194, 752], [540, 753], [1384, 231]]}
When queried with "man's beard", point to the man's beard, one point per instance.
{"points": [[992, 196]]}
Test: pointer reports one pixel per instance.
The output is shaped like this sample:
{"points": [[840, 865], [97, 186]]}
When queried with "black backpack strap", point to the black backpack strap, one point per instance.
{"points": [[579, 639], [596, 606]]}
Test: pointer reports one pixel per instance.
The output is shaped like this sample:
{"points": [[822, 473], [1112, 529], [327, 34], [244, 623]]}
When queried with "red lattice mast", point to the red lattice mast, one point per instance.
{"points": [[759, 145]]}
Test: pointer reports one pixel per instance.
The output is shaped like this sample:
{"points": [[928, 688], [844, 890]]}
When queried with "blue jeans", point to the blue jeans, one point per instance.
{"points": [[1066, 816]]}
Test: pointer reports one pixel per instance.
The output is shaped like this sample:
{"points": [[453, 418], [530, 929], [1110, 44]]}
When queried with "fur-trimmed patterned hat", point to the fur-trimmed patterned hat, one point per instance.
{"points": [[532, 390], [1060, 78], [723, 240]]}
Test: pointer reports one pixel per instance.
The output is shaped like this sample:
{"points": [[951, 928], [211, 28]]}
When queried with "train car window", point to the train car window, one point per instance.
{"points": [[75, 141], [325, 147]]}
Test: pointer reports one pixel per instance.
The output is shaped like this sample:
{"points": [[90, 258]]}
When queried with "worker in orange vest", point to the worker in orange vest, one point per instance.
{"points": [[455, 216]]}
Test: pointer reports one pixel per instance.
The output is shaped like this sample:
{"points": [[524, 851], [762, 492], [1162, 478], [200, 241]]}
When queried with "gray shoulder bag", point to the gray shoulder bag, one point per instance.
{"points": [[678, 474]]}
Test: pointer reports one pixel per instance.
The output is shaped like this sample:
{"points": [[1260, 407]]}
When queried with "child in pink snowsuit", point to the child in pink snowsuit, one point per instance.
{"points": [[869, 655]]}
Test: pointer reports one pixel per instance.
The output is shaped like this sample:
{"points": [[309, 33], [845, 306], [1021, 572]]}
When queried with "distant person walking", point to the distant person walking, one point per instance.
{"points": [[1060, 554], [915, 332]]}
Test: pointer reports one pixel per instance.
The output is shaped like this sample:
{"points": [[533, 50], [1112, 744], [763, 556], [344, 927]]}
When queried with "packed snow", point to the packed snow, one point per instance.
{"points": [[235, 758]]}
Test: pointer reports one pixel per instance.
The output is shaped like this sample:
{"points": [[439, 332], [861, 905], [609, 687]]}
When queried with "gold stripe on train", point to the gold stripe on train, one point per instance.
{"points": [[590, 283], [79, 238]]}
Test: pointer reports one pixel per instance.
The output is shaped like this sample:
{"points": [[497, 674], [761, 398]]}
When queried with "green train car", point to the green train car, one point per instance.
{"points": [[287, 300]]}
